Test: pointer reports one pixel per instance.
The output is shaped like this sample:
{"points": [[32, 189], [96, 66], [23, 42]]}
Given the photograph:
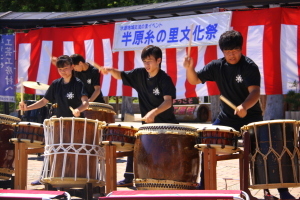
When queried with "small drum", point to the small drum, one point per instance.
{"points": [[101, 112], [73, 156], [222, 138], [120, 135], [274, 154], [165, 157], [30, 133], [7, 149]]}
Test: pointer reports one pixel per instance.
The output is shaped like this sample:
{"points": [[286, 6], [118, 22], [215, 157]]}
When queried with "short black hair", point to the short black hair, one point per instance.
{"points": [[152, 50], [230, 40], [63, 60], [76, 58]]}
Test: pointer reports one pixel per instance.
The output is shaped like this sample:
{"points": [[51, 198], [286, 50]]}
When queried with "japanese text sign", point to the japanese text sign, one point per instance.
{"points": [[171, 32], [7, 68]]}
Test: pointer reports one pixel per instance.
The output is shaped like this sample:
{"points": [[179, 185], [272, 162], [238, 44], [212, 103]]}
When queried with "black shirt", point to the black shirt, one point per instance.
{"points": [[66, 95], [151, 92], [233, 82], [91, 78]]}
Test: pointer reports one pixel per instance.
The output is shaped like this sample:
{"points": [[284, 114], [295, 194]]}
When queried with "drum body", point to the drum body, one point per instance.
{"points": [[101, 112], [7, 149], [165, 157], [222, 138], [73, 156], [120, 135], [29, 132], [274, 154]]}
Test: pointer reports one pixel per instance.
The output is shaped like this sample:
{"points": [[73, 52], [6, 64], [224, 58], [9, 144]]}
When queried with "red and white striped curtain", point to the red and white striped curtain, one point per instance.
{"points": [[270, 39]]}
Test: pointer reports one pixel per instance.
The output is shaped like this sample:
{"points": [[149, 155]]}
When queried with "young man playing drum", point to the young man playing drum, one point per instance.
{"points": [[156, 92], [238, 79], [90, 77]]}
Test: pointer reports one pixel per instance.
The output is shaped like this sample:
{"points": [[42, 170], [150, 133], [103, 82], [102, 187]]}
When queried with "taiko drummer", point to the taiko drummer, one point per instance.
{"points": [[67, 92], [156, 92], [238, 79]]}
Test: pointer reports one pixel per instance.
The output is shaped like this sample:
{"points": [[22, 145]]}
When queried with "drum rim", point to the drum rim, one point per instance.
{"points": [[167, 125], [100, 105], [226, 148], [214, 127], [34, 124], [275, 121], [117, 125], [72, 118], [9, 118]]}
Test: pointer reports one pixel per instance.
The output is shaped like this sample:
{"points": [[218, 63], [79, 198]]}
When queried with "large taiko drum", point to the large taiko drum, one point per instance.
{"points": [[101, 112], [165, 157], [30, 133], [274, 153], [7, 149], [222, 138], [123, 136], [73, 156]]}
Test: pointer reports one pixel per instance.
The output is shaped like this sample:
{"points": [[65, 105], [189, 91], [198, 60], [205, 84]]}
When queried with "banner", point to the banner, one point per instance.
{"points": [[174, 32], [7, 68], [270, 40]]}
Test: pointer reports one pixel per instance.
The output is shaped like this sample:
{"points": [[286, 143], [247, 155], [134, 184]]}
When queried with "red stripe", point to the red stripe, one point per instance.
{"points": [[191, 89], [211, 54], [171, 62], [128, 65]]}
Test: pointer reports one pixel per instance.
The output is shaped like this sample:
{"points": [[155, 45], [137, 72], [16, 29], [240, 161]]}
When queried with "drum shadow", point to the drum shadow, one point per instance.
{"points": [[37, 158], [122, 160]]}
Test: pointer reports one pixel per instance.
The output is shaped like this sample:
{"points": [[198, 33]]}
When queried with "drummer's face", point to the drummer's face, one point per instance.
{"points": [[151, 64], [78, 68], [65, 71]]}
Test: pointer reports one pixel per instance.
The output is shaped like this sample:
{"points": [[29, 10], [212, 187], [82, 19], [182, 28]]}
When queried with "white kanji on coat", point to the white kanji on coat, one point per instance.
{"points": [[156, 91], [70, 95]]}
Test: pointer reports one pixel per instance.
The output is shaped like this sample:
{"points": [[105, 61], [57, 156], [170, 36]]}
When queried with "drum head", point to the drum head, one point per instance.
{"points": [[116, 125], [165, 128], [8, 119]]}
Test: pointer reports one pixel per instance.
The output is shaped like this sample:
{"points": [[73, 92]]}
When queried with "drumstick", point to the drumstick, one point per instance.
{"points": [[22, 93], [48, 52], [71, 109], [130, 118], [228, 102], [190, 41]]}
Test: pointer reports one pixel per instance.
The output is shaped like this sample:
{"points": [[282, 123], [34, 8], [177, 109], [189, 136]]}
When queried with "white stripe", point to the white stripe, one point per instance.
{"points": [[181, 73], [219, 52], [164, 60], [288, 57], [89, 50], [68, 48], [44, 65], [254, 50], [109, 63], [23, 61], [120, 68], [201, 89], [137, 63]]}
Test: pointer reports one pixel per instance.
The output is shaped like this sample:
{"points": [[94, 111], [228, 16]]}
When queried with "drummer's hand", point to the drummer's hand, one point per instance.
{"points": [[22, 106], [188, 63], [150, 116], [54, 60], [76, 112], [105, 70], [240, 111]]}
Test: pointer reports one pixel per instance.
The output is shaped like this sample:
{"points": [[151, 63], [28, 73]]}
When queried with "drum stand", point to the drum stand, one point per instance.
{"points": [[21, 161], [111, 166], [210, 159]]}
